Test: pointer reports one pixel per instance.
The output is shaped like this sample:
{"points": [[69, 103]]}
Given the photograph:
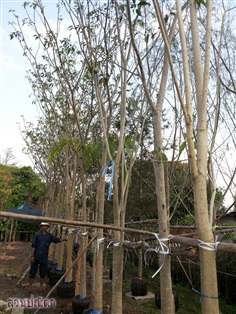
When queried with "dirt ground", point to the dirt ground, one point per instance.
{"points": [[14, 261]]}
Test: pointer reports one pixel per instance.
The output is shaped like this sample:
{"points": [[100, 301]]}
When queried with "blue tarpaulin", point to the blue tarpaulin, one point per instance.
{"points": [[26, 209]]}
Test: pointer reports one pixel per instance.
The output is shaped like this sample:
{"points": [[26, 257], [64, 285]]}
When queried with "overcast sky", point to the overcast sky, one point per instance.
{"points": [[15, 90]]}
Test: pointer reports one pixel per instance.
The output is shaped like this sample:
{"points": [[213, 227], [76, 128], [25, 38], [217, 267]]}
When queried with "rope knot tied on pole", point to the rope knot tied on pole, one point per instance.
{"points": [[161, 248], [207, 246]]}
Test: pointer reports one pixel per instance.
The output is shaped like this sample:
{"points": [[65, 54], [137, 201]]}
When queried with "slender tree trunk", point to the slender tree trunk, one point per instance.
{"points": [[167, 300], [98, 284], [57, 247], [84, 239], [68, 216], [15, 230], [117, 262], [69, 253], [140, 259], [61, 246], [209, 290], [198, 166]]}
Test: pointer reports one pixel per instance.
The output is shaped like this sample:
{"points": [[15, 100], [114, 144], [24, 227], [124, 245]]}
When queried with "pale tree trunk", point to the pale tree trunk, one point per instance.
{"points": [[14, 231], [84, 238], [61, 247], [167, 300], [70, 242], [11, 230], [52, 247], [117, 263], [57, 247], [51, 251], [69, 253], [78, 274], [98, 280], [68, 216], [198, 165], [210, 303]]}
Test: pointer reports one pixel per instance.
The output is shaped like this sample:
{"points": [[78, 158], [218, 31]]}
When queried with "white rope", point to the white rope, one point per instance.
{"points": [[207, 246]]}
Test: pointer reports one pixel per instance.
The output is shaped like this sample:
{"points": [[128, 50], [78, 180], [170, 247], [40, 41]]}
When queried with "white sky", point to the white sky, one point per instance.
{"points": [[15, 90], [15, 102]]}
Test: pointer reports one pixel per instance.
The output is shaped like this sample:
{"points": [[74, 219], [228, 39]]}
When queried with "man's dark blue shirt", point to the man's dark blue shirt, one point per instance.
{"points": [[41, 243]]}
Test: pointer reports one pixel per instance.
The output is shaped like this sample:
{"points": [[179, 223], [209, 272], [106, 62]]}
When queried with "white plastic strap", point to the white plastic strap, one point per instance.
{"points": [[99, 241], [109, 244], [162, 248], [83, 234], [207, 246], [70, 230], [114, 244]]}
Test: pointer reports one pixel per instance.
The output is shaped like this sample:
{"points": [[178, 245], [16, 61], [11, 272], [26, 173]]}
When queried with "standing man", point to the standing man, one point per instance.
{"points": [[39, 257]]}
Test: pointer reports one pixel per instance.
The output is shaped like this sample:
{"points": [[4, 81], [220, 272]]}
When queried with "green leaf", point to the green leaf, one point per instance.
{"points": [[199, 2], [143, 3], [214, 228], [138, 11], [160, 155], [182, 147]]}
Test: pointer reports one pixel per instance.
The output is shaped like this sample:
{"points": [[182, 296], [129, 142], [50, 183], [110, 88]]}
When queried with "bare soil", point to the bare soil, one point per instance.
{"points": [[14, 261]]}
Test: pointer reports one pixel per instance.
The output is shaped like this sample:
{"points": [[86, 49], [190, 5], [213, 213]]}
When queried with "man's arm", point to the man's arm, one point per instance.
{"points": [[63, 239], [57, 240]]}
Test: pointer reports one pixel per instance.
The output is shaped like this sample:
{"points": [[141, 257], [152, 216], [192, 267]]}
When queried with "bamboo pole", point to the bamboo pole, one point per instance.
{"points": [[18, 284], [224, 247]]}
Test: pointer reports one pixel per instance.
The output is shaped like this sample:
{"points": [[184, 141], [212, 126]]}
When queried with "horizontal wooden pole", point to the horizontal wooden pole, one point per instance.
{"points": [[225, 247]]}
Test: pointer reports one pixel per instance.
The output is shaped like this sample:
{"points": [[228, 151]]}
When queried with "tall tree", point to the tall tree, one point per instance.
{"points": [[198, 162]]}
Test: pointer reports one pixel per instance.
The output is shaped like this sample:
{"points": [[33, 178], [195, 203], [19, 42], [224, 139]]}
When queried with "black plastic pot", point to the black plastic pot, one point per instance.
{"points": [[51, 265], [76, 247], [79, 304], [55, 275], [66, 289], [139, 286], [110, 273], [89, 257], [158, 299]]}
